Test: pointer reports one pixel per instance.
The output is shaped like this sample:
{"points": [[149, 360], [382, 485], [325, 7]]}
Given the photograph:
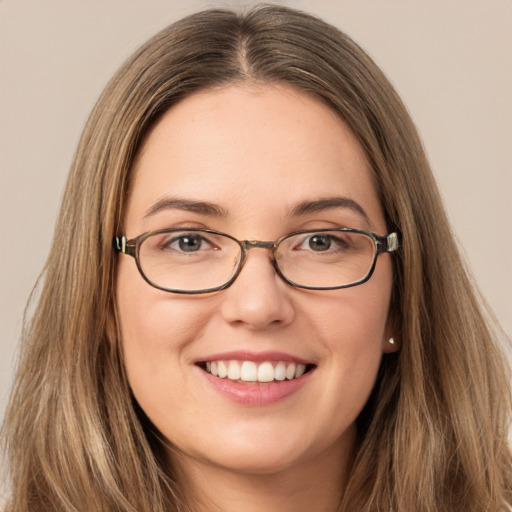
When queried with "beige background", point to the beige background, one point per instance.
{"points": [[451, 60]]}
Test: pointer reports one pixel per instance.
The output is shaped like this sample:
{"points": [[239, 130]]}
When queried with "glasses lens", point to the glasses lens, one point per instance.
{"points": [[326, 259], [188, 260]]}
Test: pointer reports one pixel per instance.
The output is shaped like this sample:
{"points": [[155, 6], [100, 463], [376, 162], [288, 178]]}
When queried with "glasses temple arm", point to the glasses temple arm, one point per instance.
{"points": [[392, 242], [121, 245]]}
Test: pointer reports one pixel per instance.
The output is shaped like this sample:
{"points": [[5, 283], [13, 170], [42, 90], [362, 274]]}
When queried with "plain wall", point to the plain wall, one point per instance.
{"points": [[451, 61]]}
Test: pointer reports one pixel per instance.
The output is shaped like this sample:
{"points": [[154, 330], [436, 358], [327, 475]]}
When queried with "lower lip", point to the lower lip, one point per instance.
{"points": [[255, 395]]}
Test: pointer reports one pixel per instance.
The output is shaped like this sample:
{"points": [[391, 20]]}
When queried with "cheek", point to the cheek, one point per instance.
{"points": [[156, 329], [353, 333], [151, 318], [357, 318], [352, 328]]}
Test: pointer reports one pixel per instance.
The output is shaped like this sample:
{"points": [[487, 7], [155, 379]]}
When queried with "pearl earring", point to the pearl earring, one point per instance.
{"points": [[391, 341]]}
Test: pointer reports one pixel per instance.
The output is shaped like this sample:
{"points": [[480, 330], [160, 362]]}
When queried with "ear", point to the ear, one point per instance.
{"points": [[390, 345], [391, 342]]}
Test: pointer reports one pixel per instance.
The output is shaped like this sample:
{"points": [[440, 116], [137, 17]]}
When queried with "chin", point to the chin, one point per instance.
{"points": [[250, 460], [260, 451]]}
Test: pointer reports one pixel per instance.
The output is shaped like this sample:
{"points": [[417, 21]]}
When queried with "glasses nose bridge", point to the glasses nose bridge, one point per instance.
{"points": [[251, 244], [247, 245]]}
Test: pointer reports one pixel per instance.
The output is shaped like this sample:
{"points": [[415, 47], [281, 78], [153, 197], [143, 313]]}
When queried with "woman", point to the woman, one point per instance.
{"points": [[283, 321]]}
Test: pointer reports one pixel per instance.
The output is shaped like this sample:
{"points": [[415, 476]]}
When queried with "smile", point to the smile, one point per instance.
{"points": [[255, 378], [251, 372]]}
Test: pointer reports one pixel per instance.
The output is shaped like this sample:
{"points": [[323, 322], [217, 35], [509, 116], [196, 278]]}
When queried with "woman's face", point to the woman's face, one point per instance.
{"points": [[241, 160]]}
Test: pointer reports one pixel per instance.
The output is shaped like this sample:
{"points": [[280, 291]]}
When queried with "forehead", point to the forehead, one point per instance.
{"points": [[252, 150]]}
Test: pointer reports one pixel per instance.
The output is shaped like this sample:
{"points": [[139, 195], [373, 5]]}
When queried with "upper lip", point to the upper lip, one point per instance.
{"points": [[257, 357]]}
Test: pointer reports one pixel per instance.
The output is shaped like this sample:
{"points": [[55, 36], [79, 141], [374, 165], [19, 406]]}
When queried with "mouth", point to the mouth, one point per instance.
{"points": [[255, 372]]}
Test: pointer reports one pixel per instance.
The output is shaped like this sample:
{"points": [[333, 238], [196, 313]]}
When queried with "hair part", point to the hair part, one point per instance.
{"points": [[433, 436]]}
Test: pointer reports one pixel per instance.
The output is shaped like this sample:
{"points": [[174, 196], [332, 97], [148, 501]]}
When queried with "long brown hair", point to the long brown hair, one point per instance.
{"points": [[433, 436]]}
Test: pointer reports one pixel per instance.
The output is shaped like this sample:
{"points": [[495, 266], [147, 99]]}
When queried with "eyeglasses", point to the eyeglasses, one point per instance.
{"points": [[192, 261]]}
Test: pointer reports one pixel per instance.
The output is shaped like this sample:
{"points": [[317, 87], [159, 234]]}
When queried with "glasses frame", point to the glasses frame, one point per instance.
{"points": [[383, 244]]}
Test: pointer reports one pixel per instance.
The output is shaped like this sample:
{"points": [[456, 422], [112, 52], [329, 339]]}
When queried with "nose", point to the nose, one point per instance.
{"points": [[259, 298]]}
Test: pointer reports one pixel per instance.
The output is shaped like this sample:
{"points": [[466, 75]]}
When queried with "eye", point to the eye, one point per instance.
{"points": [[319, 242], [188, 242]]}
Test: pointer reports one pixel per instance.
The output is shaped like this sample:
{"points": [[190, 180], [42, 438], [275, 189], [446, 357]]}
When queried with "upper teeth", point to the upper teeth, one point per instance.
{"points": [[249, 371]]}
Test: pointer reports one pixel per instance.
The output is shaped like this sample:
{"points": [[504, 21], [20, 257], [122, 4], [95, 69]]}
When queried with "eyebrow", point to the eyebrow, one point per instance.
{"points": [[200, 207], [328, 203], [302, 208]]}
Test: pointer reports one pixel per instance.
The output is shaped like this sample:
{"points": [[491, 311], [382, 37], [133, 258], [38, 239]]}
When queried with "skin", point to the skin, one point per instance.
{"points": [[255, 151]]}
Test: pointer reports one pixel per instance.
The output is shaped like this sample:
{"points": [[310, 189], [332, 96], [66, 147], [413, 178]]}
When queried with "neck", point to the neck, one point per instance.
{"points": [[315, 484]]}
